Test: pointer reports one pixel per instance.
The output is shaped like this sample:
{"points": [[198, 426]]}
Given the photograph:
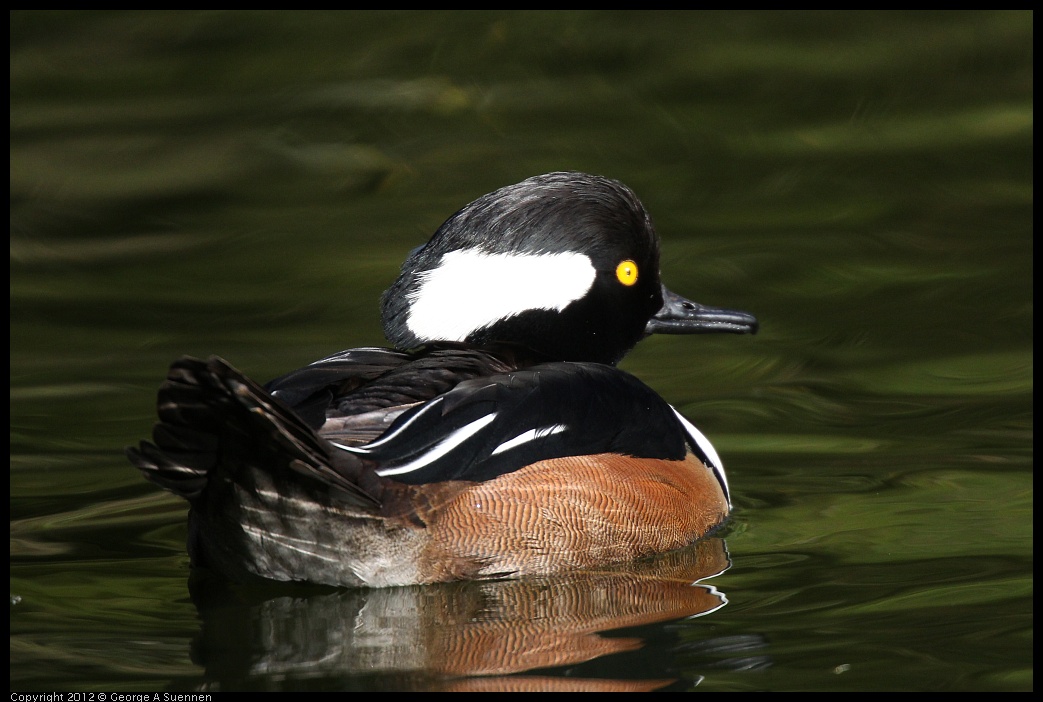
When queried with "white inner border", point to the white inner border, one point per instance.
{"points": [[707, 448]]}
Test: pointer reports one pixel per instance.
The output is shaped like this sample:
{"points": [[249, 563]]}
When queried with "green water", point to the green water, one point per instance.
{"points": [[246, 184]]}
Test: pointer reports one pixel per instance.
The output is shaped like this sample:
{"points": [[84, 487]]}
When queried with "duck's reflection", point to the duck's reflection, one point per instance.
{"points": [[474, 635]]}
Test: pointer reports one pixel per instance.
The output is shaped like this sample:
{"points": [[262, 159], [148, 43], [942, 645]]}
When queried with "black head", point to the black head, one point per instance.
{"points": [[564, 264]]}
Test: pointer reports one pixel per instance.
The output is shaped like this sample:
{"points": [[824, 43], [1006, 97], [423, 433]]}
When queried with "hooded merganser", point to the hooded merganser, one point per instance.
{"points": [[496, 439]]}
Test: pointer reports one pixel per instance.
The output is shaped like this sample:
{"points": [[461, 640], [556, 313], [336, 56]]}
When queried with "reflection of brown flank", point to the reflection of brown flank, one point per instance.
{"points": [[544, 683], [550, 622]]}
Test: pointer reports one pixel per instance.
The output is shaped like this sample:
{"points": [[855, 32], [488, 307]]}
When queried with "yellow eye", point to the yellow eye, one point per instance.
{"points": [[626, 272]]}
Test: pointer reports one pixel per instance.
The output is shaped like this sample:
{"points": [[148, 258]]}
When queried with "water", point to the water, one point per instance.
{"points": [[246, 184]]}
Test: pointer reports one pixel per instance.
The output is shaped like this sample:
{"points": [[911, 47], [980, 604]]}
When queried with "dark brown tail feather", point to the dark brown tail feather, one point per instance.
{"points": [[206, 408]]}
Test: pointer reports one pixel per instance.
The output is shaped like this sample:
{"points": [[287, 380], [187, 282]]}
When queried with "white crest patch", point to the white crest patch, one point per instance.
{"points": [[472, 289]]}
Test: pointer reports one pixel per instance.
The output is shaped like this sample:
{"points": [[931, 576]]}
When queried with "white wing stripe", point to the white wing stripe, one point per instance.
{"points": [[388, 437], [530, 435], [441, 448]]}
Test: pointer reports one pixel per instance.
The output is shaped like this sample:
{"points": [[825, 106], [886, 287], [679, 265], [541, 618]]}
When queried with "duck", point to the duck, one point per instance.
{"points": [[496, 437]]}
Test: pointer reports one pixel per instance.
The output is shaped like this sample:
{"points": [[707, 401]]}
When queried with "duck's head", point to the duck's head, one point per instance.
{"points": [[564, 264]]}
